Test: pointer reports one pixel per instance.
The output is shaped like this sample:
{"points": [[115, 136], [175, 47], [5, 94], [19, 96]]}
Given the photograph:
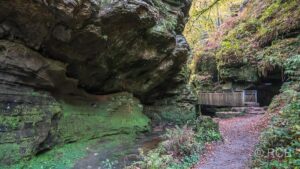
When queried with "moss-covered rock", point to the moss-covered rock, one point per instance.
{"points": [[25, 124], [245, 73], [28, 128], [53, 52], [41, 107], [117, 114], [254, 46], [178, 108]]}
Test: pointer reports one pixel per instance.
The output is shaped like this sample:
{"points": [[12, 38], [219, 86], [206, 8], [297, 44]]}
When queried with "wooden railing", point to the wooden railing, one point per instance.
{"points": [[221, 99]]}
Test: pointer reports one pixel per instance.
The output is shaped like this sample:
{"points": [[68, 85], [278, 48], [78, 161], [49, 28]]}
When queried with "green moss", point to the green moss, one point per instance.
{"points": [[244, 29], [121, 115], [167, 23], [12, 122], [277, 54], [177, 116], [65, 157], [231, 53], [245, 73], [24, 125], [239, 47], [9, 152], [271, 10], [263, 30], [84, 121], [278, 7]]}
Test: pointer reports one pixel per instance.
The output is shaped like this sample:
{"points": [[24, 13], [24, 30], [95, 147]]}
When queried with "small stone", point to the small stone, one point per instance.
{"points": [[95, 154]]}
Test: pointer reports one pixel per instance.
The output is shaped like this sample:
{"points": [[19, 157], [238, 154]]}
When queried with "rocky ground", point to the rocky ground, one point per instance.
{"points": [[240, 136]]}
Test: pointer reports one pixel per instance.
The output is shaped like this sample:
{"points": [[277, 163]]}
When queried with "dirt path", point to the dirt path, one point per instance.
{"points": [[240, 137]]}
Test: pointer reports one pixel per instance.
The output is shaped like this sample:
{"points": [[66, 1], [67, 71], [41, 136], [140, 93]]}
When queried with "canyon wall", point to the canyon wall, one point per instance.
{"points": [[82, 69]]}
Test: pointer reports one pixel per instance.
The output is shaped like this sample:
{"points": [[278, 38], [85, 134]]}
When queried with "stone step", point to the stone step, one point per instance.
{"points": [[229, 114], [240, 109], [252, 104], [256, 112], [250, 110]]}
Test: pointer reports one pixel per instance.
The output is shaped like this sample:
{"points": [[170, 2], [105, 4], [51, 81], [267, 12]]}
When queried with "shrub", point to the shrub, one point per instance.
{"points": [[207, 130], [292, 67], [181, 142], [182, 146], [282, 136]]}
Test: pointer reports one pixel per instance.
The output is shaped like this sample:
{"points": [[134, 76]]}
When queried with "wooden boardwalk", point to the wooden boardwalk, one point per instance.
{"points": [[234, 99]]}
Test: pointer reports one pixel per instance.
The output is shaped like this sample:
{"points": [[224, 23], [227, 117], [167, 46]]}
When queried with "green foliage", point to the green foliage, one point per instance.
{"points": [[206, 130], [181, 141], [292, 67], [271, 10], [185, 73], [108, 164], [277, 54], [186, 163], [206, 17], [260, 37], [155, 159], [282, 136], [182, 146]]}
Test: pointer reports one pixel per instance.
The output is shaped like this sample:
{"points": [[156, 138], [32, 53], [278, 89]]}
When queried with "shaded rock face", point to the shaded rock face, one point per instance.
{"points": [[57, 56], [22, 67], [178, 108], [33, 120], [109, 46]]}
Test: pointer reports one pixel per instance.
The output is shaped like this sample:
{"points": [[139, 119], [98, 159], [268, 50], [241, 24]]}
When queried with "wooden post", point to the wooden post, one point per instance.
{"points": [[243, 97]]}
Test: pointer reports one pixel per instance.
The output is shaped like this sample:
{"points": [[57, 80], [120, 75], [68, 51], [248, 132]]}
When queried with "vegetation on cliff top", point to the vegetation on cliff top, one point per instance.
{"points": [[262, 38], [248, 46]]}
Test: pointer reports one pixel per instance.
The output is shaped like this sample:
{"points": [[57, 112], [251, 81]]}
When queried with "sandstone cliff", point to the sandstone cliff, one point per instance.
{"points": [[58, 56]]}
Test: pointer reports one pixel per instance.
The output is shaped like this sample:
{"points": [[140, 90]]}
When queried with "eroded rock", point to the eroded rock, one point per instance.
{"points": [[52, 52], [109, 46]]}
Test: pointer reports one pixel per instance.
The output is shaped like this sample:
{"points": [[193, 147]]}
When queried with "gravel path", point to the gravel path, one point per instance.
{"points": [[240, 137]]}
